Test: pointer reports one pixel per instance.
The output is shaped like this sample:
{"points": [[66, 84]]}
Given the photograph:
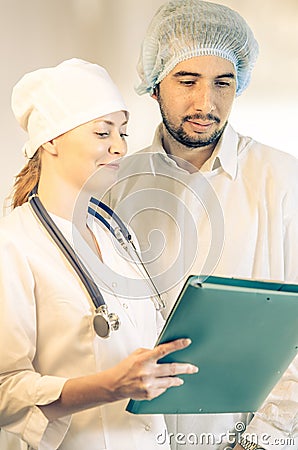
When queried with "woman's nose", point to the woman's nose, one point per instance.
{"points": [[118, 146]]}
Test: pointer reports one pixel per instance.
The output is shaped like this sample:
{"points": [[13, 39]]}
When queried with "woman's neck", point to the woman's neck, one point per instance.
{"points": [[59, 197], [65, 201]]}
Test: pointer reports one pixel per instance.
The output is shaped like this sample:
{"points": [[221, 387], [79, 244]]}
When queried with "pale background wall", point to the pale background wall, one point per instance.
{"points": [[36, 33]]}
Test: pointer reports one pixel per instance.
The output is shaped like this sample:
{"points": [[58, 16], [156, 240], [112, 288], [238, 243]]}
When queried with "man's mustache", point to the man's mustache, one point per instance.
{"points": [[203, 117]]}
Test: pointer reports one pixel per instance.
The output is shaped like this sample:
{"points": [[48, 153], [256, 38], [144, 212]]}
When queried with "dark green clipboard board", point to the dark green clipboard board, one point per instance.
{"points": [[244, 336]]}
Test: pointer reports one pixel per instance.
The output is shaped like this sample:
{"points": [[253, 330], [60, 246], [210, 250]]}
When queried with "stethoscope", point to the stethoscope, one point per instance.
{"points": [[104, 322]]}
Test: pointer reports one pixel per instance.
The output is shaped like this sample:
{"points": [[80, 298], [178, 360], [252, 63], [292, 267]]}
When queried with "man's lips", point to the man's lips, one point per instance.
{"points": [[199, 125]]}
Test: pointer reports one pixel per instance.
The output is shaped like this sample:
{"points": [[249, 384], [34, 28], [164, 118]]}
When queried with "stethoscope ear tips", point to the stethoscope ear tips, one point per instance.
{"points": [[104, 323]]}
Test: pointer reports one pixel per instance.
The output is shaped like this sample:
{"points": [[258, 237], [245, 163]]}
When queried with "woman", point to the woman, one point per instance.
{"points": [[62, 386]]}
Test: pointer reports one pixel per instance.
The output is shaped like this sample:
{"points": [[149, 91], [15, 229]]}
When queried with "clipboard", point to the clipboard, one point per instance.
{"points": [[244, 336]]}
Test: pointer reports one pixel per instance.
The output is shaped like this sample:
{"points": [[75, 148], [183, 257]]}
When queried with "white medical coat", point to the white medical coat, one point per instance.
{"points": [[245, 210], [46, 336]]}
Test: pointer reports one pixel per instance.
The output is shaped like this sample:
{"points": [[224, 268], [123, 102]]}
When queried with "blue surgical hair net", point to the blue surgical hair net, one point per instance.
{"points": [[183, 29]]}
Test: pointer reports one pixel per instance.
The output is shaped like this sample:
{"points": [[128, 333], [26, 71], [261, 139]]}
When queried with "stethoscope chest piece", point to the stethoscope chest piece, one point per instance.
{"points": [[104, 323]]}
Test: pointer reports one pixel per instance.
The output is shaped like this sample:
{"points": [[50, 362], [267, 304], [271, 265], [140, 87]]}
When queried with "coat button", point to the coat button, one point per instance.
{"points": [[147, 427]]}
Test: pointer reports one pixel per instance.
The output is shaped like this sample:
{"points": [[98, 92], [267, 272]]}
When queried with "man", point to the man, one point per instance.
{"points": [[196, 57]]}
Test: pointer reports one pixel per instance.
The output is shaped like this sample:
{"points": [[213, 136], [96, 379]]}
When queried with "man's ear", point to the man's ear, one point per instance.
{"points": [[51, 147], [155, 93]]}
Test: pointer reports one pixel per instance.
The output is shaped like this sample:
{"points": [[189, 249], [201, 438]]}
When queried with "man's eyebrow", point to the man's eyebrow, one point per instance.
{"points": [[227, 75], [183, 73]]}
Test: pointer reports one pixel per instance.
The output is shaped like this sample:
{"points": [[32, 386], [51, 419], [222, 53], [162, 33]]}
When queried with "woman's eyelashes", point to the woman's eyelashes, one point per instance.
{"points": [[102, 133], [105, 134]]}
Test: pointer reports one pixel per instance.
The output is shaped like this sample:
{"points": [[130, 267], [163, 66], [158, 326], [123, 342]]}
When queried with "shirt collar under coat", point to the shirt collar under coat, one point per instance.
{"points": [[224, 155]]}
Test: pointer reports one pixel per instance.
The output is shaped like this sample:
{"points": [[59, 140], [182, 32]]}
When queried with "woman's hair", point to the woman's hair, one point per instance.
{"points": [[26, 180]]}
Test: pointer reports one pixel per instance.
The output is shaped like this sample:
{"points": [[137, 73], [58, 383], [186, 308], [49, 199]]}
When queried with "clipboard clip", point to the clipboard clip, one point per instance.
{"points": [[196, 281]]}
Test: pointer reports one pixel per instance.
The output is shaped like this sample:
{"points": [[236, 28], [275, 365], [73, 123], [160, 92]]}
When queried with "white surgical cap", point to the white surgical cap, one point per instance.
{"points": [[51, 101], [183, 29]]}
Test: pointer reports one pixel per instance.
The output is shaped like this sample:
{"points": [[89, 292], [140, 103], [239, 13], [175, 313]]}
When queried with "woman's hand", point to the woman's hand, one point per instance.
{"points": [[139, 376]]}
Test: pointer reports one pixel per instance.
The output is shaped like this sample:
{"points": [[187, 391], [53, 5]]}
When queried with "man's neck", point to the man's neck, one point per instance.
{"points": [[189, 158]]}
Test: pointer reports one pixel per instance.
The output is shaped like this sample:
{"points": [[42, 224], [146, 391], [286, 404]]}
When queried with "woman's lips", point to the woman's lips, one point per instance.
{"points": [[114, 166]]}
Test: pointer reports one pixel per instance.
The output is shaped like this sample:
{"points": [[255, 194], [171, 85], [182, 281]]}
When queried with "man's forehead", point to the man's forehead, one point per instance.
{"points": [[204, 65]]}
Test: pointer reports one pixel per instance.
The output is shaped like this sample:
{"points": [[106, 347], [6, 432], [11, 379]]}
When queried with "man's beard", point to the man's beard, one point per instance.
{"points": [[183, 138]]}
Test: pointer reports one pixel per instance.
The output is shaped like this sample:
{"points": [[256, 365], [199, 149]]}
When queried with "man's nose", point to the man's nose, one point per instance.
{"points": [[204, 98]]}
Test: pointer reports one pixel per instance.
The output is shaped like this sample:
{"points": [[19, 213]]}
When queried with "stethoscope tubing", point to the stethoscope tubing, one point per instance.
{"points": [[126, 234], [159, 304], [66, 248], [119, 233]]}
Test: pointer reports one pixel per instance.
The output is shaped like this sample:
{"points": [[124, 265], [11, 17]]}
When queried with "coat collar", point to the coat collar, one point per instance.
{"points": [[224, 155]]}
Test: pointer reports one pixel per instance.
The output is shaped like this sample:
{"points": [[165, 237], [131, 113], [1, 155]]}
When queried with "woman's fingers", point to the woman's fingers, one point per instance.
{"points": [[173, 369], [169, 347], [140, 376], [166, 382], [156, 387]]}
